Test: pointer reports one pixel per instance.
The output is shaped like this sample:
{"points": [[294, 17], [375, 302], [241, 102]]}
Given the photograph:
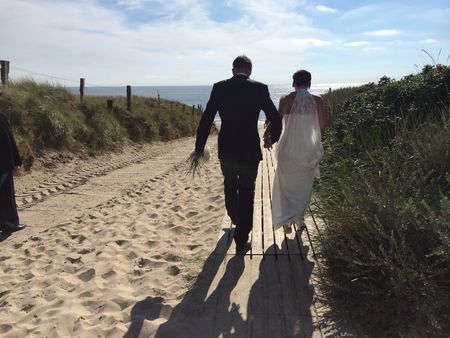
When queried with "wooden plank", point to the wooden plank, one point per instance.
{"points": [[309, 253], [300, 301], [268, 234], [257, 234], [274, 310], [256, 302], [277, 235], [225, 241], [292, 242], [230, 296]]}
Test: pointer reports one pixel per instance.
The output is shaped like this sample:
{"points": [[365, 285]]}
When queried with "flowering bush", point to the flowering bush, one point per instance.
{"points": [[384, 194], [384, 80]]}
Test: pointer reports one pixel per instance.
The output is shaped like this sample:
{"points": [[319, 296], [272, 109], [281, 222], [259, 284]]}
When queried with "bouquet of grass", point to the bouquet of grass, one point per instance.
{"points": [[196, 161]]}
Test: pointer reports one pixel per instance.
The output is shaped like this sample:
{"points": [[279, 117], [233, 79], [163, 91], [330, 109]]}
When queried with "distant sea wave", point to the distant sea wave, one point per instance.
{"points": [[196, 95]]}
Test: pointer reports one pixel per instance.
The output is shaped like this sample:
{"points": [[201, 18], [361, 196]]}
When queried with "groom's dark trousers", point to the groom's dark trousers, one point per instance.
{"points": [[239, 187], [239, 101]]}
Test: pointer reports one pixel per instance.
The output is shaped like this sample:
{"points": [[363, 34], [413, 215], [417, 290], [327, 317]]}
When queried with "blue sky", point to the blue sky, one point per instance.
{"points": [[193, 42]]}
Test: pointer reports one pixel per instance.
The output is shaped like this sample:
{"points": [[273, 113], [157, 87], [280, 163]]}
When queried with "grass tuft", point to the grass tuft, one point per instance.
{"points": [[45, 116]]}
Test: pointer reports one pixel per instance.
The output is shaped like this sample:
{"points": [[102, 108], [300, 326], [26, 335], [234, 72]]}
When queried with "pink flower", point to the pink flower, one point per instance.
{"points": [[397, 138], [439, 66], [384, 79]]}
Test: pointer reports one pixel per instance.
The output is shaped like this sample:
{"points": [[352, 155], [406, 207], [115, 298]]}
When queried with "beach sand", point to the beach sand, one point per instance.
{"points": [[104, 235]]}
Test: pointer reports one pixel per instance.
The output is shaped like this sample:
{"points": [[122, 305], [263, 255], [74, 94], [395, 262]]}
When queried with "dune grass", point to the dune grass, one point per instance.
{"points": [[46, 116], [385, 197]]}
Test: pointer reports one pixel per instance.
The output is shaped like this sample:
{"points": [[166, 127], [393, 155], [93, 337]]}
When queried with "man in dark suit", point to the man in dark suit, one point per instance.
{"points": [[9, 166], [239, 101]]}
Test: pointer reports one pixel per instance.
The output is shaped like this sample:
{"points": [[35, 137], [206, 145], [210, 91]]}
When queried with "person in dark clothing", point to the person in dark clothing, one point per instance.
{"points": [[10, 163], [239, 101]]}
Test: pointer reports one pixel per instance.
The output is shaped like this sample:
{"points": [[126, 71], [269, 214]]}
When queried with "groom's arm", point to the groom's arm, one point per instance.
{"points": [[272, 115], [206, 121]]}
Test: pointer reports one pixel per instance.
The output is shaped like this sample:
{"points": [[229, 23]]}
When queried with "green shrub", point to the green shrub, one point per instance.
{"points": [[384, 194]]}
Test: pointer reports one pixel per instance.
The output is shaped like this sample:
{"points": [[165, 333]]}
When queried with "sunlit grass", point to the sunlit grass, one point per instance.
{"points": [[45, 116]]}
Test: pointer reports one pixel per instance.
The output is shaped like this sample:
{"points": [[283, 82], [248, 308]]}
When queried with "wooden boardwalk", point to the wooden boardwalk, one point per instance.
{"points": [[266, 241], [268, 293]]}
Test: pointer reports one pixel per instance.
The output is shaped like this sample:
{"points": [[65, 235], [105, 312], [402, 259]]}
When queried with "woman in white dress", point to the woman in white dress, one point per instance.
{"points": [[298, 153]]}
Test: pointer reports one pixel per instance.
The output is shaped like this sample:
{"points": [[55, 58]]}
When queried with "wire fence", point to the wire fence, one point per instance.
{"points": [[55, 79]]}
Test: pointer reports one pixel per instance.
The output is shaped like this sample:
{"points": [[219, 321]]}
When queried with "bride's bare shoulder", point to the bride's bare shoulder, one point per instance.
{"points": [[288, 97], [286, 102], [317, 98]]}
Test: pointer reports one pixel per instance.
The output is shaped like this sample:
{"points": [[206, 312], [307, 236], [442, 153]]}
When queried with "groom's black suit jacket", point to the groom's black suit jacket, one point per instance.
{"points": [[239, 101]]}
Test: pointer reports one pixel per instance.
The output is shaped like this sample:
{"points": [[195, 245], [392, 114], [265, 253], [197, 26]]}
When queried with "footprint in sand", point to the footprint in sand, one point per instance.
{"points": [[87, 275], [122, 242], [109, 274], [132, 255], [74, 260], [191, 214], [80, 238], [176, 208], [151, 244], [85, 251], [173, 270], [172, 258]]}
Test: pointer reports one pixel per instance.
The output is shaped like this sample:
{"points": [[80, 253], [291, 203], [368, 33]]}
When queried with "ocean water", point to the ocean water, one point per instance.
{"points": [[196, 95]]}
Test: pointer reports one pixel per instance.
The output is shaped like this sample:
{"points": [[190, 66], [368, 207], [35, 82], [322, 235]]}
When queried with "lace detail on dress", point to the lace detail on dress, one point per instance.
{"points": [[304, 103], [301, 138]]}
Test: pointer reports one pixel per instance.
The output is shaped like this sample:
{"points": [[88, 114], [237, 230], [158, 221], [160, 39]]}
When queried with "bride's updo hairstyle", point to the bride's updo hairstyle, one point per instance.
{"points": [[242, 64], [302, 78]]}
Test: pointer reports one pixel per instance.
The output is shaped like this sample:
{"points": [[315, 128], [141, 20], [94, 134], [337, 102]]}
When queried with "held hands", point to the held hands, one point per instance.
{"points": [[16, 171], [267, 139]]}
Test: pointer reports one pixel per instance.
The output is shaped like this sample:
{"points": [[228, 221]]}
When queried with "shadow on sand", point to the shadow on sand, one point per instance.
{"points": [[235, 296]]}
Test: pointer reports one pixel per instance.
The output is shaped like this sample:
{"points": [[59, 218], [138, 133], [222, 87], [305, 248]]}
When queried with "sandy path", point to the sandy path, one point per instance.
{"points": [[104, 237]]}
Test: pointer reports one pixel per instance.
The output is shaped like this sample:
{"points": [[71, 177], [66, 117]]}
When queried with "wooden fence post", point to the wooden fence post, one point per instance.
{"points": [[129, 98], [81, 90], [193, 110], [109, 104], [4, 72]]}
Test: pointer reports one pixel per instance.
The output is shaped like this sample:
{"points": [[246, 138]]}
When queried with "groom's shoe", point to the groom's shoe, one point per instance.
{"points": [[10, 227], [242, 249]]}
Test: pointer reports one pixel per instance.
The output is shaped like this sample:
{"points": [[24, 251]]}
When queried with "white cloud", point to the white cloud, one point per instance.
{"points": [[373, 49], [51, 37], [325, 9], [310, 42], [358, 43], [383, 32], [429, 41]]}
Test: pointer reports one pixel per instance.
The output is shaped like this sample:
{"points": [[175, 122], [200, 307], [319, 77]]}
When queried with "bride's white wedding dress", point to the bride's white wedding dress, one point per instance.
{"points": [[299, 152]]}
